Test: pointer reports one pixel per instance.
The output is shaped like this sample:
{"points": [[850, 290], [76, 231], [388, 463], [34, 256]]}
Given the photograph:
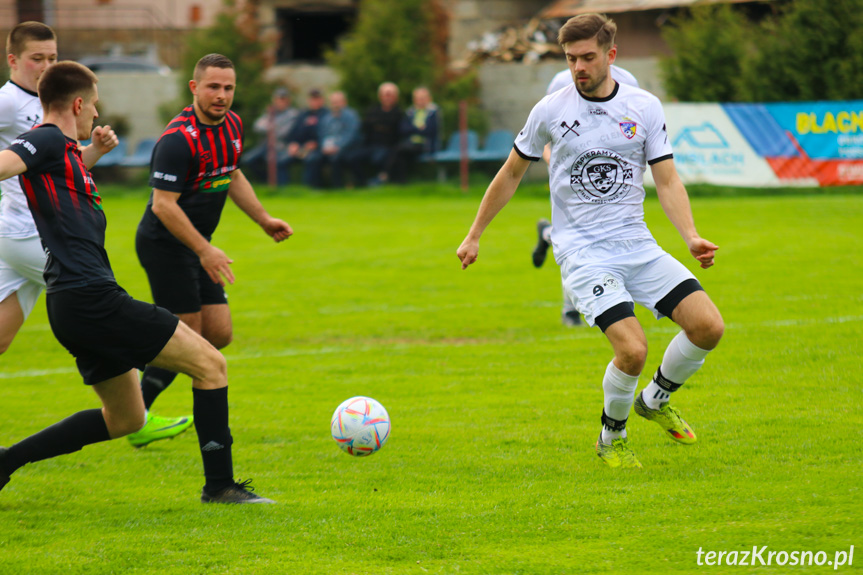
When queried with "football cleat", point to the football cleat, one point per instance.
{"points": [[158, 428], [236, 493], [617, 453], [668, 418], [570, 318], [541, 249]]}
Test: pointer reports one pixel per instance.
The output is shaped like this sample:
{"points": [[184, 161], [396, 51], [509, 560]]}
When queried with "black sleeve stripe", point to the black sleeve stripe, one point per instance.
{"points": [[660, 159], [523, 155]]}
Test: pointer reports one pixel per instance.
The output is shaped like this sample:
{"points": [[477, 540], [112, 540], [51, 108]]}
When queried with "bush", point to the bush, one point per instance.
{"points": [[807, 50], [405, 43]]}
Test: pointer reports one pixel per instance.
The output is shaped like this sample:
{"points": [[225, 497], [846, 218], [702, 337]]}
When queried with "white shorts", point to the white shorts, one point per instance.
{"points": [[608, 273], [22, 261]]}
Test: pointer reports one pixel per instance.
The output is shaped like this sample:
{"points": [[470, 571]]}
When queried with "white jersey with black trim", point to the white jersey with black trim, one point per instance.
{"points": [[20, 111], [564, 78], [600, 149]]}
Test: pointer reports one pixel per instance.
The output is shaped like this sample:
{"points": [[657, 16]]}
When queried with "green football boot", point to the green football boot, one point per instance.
{"points": [[617, 453], [158, 428], [668, 418]]}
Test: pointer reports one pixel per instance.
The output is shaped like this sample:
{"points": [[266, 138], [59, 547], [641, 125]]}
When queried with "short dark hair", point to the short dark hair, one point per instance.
{"points": [[63, 82], [212, 61], [27, 32], [587, 26]]}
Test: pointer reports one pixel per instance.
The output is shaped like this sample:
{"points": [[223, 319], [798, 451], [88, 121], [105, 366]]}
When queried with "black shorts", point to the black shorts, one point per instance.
{"points": [[108, 331], [177, 280]]}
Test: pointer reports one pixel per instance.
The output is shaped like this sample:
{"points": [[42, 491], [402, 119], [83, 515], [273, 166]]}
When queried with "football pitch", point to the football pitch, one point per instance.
{"points": [[495, 406]]}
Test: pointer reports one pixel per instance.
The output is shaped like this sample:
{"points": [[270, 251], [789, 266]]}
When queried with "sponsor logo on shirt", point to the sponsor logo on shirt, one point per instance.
{"points": [[216, 184], [26, 145], [164, 176]]}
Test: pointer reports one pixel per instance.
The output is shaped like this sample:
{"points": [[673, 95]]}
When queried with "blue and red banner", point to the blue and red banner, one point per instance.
{"points": [[801, 143]]}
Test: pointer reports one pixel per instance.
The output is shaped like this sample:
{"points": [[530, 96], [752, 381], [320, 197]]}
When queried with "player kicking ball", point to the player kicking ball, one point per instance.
{"points": [[110, 334], [603, 136]]}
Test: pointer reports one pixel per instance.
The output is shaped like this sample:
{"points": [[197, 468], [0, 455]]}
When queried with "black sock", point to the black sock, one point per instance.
{"points": [[214, 437], [67, 436], [154, 381]]}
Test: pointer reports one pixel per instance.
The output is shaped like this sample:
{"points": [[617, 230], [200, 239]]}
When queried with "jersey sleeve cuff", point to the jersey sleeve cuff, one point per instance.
{"points": [[660, 159], [525, 156]]}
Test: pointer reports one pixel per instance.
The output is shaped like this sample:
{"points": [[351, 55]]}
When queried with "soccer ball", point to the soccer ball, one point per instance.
{"points": [[360, 426]]}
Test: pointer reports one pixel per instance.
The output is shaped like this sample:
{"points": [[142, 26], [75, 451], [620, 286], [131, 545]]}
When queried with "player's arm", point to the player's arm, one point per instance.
{"points": [[498, 194], [241, 193], [213, 260], [675, 202], [102, 140], [11, 165]]}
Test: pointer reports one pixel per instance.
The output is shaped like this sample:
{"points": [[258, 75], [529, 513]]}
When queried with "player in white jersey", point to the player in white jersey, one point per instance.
{"points": [[604, 135], [30, 48], [569, 315]]}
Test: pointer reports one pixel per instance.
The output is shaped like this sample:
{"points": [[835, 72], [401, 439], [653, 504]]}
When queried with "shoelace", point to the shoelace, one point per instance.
{"points": [[246, 485], [674, 414], [623, 450]]}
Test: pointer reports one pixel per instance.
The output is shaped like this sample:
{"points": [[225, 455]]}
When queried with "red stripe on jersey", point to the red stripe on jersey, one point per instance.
{"points": [[70, 180], [225, 151], [52, 192], [31, 195], [213, 154]]}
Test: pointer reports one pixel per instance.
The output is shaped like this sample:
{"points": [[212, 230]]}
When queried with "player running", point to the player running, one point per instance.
{"points": [[604, 135]]}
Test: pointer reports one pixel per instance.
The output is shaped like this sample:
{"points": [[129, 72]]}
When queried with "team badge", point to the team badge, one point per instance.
{"points": [[600, 176], [627, 126]]}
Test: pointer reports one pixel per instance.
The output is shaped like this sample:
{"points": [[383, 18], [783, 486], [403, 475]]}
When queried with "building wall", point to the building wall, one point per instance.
{"points": [[470, 19]]}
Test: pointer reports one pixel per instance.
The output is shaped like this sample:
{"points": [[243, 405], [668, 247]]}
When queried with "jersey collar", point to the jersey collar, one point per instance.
{"points": [[25, 89], [606, 99]]}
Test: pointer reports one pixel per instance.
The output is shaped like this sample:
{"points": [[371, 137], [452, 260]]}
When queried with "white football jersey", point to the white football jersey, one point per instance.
{"points": [[600, 149], [20, 111], [564, 78]]}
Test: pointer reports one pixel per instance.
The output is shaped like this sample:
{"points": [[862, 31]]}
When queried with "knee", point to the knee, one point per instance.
{"points": [[707, 333], [632, 357], [214, 370], [119, 426], [219, 338]]}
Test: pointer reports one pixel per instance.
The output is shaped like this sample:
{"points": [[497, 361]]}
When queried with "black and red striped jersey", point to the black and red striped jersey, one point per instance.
{"points": [[66, 207], [194, 160]]}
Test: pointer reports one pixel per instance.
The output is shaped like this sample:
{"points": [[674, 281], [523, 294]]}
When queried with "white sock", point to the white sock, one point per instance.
{"points": [[619, 392], [682, 359], [546, 233]]}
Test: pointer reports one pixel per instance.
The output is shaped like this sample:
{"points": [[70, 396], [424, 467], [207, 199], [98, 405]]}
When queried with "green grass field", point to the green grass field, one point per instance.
{"points": [[495, 406]]}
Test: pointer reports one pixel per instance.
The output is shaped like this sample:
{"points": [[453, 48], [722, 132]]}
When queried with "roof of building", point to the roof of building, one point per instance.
{"points": [[568, 8]]}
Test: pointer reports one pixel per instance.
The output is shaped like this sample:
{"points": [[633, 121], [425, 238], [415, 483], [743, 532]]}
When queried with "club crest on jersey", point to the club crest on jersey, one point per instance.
{"points": [[192, 131], [600, 176], [628, 126]]}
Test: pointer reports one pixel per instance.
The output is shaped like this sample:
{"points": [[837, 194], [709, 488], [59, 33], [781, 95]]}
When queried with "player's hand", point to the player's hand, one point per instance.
{"points": [[104, 139], [217, 264], [468, 252], [277, 229], [703, 250]]}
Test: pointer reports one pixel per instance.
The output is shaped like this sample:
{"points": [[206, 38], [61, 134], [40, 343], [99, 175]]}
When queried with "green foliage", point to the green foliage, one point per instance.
{"points": [[495, 406], [401, 42], [390, 43], [808, 50], [811, 52], [234, 34], [709, 50]]}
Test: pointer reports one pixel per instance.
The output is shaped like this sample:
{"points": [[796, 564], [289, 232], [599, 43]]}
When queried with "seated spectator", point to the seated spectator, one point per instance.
{"points": [[280, 118], [304, 138], [339, 134], [420, 133], [380, 130]]}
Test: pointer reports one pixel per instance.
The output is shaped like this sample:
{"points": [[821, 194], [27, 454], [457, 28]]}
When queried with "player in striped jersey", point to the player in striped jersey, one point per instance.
{"points": [[110, 334], [193, 171]]}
